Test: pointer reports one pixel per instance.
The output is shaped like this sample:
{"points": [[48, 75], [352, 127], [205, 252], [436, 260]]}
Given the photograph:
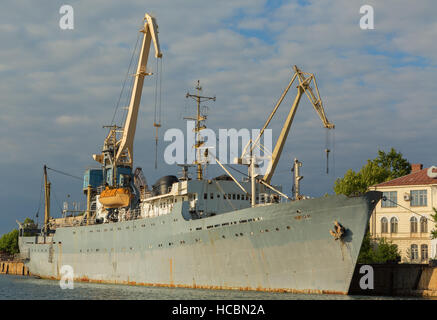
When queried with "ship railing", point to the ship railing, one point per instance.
{"points": [[129, 215], [100, 189], [132, 214]]}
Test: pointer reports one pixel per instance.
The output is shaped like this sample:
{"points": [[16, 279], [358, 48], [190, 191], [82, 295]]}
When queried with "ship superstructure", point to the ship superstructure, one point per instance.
{"points": [[205, 232]]}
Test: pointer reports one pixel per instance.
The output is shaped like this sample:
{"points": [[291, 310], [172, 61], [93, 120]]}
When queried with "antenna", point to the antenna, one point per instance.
{"points": [[200, 125]]}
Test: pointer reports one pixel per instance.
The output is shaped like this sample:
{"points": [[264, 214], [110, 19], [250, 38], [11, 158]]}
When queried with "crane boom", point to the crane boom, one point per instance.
{"points": [[124, 154], [303, 87]]}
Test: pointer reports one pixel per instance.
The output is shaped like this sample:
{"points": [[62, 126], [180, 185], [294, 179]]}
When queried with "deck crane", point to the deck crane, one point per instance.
{"points": [[117, 152], [303, 86]]}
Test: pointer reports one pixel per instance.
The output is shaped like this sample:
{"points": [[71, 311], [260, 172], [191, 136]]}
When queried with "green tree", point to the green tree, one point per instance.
{"points": [[394, 163], [386, 166], [28, 221], [380, 251], [366, 251], [28, 224], [9, 242]]}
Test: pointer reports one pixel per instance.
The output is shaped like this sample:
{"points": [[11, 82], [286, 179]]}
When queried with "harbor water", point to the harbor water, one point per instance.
{"points": [[30, 288]]}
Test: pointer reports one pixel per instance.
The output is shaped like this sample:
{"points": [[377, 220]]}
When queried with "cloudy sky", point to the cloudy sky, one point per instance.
{"points": [[59, 87]]}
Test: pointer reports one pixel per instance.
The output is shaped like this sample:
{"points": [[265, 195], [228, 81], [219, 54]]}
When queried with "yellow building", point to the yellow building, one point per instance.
{"points": [[403, 216]]}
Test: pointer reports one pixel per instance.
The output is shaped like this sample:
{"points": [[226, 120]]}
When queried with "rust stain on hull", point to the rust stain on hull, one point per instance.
{"points": [[208, 287]]}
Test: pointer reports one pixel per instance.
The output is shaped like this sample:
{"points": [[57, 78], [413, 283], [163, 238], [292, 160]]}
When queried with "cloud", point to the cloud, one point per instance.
{"points": [[60, 87], [66, 120]]}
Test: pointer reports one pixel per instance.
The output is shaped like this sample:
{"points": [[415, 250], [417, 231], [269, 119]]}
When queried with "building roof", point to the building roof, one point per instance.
{"points": [[419, 177]]}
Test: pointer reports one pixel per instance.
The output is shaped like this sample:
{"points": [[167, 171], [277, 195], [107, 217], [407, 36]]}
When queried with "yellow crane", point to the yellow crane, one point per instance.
{"points": [[117, 152]]}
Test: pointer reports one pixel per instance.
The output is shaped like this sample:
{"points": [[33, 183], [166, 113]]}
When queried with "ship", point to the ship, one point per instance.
{"points": [[210, 233]]}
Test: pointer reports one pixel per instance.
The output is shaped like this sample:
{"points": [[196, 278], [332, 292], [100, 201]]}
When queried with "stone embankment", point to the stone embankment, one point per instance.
{"points": [[397, 280], [14, 267]]}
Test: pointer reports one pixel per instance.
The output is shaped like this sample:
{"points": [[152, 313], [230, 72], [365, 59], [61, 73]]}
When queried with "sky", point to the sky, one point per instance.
{"points": [[59, 87]]}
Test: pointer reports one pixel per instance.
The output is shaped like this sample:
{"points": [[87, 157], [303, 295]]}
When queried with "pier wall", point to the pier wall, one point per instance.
{"points": [[13, 267], [398, 280]]}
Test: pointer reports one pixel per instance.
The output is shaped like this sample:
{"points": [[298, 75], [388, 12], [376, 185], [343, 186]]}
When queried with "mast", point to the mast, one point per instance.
{"points": [[46, 200], [297, 177], [200, 125]]}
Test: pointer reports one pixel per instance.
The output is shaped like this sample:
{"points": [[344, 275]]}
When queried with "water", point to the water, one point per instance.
{"points": [[29, 288]]}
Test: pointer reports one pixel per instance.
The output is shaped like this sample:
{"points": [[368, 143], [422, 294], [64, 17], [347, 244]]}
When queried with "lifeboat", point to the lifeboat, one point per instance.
{"points": [[115, 197]]}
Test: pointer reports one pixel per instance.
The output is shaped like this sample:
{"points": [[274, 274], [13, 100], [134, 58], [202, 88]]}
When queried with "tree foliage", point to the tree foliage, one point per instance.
{"points": [[381, 251], [385, 167], [9, 242]]}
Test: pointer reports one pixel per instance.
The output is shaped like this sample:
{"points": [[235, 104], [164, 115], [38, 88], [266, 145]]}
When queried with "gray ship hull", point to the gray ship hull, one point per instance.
{"points": [[277, 247]]}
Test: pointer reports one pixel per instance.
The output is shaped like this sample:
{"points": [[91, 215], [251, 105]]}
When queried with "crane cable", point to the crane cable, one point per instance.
{"points": [[125, 79], [328, 143], [40, 197], [157, 115]]}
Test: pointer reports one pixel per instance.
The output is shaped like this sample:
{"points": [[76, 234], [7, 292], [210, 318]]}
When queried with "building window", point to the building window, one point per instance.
{"points": [[418, 198], [413, 224], [423, 224], [414, 252], [391, 199], [424, 252], [394, 225], [384, 225]]}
